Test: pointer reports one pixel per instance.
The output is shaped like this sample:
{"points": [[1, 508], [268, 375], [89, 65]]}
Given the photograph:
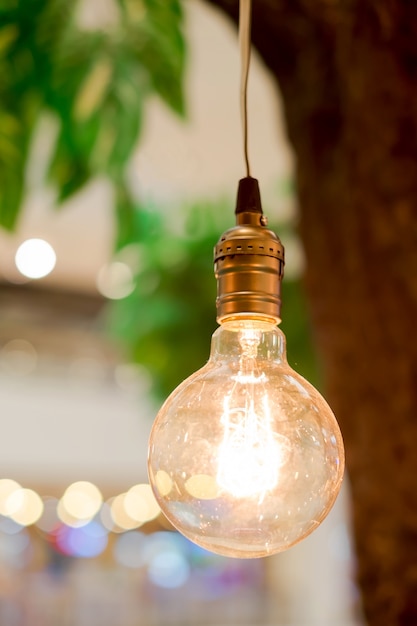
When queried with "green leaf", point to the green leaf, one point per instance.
{"points": [[134, 223], [10, 198], [94, 82], [122, 110], [15, 132], [157, 41], [68, 169]]}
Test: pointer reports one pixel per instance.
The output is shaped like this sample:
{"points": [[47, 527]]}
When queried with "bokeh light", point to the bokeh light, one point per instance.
{"points": [[24, 506], [140, 503], [163, 482], [35, 258], [202, 486], [115, 280], [129, 549], [18, 357], [120, 516], [133, 377], [86, 541], [8, 526], [168, 566], [80, 503], [7, 488]]}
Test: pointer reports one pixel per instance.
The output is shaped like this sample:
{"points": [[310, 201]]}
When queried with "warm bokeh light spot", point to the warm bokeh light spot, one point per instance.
{"points": [[24, 506], [120, 516], [7, 488], [163, 482], [140, 503], [35, 258], [81, 501], [115, 280], [202, 486], [66, 518]]}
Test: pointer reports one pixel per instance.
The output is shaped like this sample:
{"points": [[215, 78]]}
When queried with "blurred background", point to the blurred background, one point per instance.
{"points": [[120, 141]]}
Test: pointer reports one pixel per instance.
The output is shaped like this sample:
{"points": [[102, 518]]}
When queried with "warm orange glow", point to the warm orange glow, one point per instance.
{"points": [[81, 501], [24, 506], [140, 503]]}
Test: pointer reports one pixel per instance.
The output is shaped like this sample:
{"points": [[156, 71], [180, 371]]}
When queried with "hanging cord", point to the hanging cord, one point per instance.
{"points": [[245, 11]]}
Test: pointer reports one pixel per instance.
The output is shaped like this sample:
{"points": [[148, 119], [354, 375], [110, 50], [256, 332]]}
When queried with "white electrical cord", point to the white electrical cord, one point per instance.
{"points": [[245, 12]]}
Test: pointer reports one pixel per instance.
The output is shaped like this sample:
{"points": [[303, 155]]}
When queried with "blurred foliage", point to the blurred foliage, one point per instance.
{"points": [[296, 326], [94, 81], [167, 322]]}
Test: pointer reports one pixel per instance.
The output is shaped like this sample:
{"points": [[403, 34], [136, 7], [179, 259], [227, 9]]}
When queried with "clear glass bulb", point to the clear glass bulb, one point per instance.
{"points": [[245, 456]]}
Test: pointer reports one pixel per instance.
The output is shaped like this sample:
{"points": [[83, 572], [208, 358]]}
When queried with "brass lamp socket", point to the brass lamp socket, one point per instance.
{"points": [[249, 262]]}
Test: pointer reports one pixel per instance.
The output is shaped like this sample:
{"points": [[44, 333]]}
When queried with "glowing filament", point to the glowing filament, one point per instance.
{"points": [[249, 457]]}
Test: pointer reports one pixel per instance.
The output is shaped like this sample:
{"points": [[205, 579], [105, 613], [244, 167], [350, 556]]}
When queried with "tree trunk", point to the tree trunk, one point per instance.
{"points": [[348, 76]]}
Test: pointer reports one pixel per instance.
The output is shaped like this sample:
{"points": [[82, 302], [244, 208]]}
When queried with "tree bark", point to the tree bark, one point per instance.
{"points": [[348, 76]]}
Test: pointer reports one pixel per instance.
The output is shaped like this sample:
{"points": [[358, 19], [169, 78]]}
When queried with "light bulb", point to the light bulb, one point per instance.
{"points": [[245, 456]]}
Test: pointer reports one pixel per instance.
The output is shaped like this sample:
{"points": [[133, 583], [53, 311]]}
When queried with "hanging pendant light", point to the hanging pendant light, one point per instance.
{"points": [[245, 456]]}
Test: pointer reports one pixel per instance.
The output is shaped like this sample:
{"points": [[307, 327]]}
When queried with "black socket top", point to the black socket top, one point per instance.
{"points": [[248, 196]]}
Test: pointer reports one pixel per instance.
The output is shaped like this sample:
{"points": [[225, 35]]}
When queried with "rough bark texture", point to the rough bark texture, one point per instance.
{"points": [[348, 76]]}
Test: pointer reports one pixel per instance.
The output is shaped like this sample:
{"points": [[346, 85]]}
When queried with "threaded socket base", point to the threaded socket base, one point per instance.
{"points": [[249, 263]]}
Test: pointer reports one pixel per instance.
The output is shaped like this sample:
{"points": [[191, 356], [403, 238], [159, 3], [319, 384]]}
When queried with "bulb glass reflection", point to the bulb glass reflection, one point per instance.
{"points": [[245, 456]]}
